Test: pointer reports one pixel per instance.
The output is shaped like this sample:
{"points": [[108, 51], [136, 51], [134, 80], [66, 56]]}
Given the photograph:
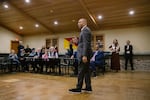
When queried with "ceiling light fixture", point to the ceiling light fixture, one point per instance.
{"points": [[51, 11], [131, 12], [36, 25], [20, 27], [100, 17], [73, 20], [5, 6], [55, 22], [27, 1]]}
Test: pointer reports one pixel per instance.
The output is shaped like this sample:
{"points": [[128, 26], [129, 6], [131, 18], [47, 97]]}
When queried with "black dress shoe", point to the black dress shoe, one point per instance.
{"points": [[94, 74], [132, 69], [87, 90], [75, 90]]}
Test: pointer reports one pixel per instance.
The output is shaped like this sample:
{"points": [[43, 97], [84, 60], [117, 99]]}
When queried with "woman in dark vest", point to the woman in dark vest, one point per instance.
{"points": [[115, 60]]}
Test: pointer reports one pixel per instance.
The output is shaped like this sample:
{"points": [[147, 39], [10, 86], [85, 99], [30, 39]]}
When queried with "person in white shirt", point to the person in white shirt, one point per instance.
{"points": [[14, 58], [128, 51], [52, 53]]}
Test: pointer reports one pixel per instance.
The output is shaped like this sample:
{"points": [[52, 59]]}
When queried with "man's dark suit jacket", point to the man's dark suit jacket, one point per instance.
{"points": [[99, 58], [130, 49], [84, 44]]}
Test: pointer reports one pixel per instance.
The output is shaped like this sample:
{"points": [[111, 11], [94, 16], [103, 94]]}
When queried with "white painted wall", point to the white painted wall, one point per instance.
{"points": [[139, 37], [5, 39], [37, 41]]}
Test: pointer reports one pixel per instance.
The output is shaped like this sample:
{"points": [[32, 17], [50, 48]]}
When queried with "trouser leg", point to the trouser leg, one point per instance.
{"points": [[131, 62], [80, 76], [126, 62], [87, 78], [84, 72]]}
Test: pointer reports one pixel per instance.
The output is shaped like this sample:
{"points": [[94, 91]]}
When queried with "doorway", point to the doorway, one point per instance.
{"points": [[14, 46]]}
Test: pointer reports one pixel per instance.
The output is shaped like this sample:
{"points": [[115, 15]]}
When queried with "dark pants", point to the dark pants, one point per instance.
{"points": [[75, 64], [84, 73], [93, 66], [128, 57], [23, 64]]}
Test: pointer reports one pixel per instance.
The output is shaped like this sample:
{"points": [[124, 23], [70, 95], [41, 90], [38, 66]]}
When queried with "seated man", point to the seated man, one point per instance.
{"points": [[33, 53], [14, 58], [22, 59], [97, 60]]}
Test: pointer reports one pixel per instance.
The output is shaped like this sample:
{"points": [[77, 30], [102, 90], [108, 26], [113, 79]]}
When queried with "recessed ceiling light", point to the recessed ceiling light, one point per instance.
{"points": [[5, 6], [131, 12], [36, 25], [100, 17], [27, 1], [20, 27], [51, 11], [55, 22], [73, 20]]}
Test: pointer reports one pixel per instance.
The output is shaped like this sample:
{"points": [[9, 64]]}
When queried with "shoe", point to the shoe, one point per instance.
{"points": [[132, 69], [87, 90], [73, 75], [75, 90], [94, 74]]}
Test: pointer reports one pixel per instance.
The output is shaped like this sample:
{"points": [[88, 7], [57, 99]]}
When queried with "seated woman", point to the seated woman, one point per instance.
{"points": [[45, 59], [97, 60], [52, 54], [45, 56], [14, 59]]}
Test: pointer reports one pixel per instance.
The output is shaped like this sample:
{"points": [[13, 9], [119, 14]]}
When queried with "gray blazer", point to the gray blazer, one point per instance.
{"points": [[84, 44]]}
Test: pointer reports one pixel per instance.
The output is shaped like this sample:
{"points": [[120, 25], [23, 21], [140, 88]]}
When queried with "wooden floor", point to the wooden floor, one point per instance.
{"points": [[111, 86]]}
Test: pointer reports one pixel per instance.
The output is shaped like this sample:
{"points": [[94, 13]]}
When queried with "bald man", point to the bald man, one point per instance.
{"points": [[84, 53]]}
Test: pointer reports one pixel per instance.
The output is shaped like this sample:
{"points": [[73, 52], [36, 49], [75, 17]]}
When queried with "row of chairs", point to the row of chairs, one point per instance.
{"points": [[7, 65], [66, 65]]}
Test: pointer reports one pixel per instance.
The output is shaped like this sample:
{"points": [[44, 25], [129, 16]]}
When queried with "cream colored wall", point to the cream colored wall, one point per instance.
{"points": [[37, 41], [5, 39], [139, 37]]}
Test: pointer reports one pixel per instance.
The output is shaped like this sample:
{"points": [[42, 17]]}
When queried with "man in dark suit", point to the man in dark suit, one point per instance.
{"points": [[128, 55], [84, 53], [97, 59], [20, 47]]}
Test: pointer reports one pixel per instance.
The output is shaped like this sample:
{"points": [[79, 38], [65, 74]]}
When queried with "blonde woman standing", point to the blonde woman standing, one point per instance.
{"points": [[115, 60]]}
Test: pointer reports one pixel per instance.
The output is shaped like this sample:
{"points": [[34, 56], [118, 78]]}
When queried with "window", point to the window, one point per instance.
{"points": [[51, 42], [96, 39]]}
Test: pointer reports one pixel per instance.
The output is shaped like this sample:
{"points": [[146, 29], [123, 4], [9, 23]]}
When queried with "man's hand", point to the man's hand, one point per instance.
{"points": [[84, 59]]}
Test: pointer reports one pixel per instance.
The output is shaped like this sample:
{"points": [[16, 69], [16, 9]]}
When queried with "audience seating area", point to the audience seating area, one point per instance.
{"points": [[54, 66]]}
